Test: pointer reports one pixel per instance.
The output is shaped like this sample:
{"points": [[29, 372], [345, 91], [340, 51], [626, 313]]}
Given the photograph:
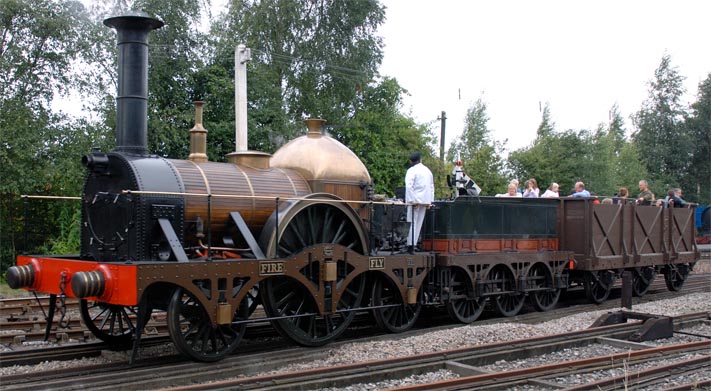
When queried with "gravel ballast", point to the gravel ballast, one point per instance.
{"points": [[453, 338]]}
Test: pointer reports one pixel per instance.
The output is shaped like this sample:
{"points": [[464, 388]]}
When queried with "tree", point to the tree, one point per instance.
{"points": [[616, 130], [697, 184], [309, 59], [39, 42], [665, 146], [479, 153], [383, 138], [547, 126]]}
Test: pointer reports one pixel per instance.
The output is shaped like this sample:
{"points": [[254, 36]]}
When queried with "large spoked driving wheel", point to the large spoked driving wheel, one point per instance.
{"points": [[285, 297], [391, 313], [675, 275], [461, 306], [598, 285], [303, 224], [507, 301], [113, 324], [642, 280], [544, 297], [193, 333]]}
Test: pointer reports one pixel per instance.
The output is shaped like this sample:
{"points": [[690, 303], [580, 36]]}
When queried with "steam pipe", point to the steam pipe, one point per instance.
{"points": [[132, 94]]}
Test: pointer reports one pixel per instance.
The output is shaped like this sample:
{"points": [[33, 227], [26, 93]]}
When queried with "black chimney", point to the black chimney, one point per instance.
{"points": [[132, 95]]}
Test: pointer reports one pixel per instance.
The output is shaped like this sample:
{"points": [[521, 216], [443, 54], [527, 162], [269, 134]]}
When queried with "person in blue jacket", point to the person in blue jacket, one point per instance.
{"points": [[580, 190]]}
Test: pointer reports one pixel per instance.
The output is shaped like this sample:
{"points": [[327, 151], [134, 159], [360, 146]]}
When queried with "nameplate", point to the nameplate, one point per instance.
{"points": [[271, 268], [376, 263]]}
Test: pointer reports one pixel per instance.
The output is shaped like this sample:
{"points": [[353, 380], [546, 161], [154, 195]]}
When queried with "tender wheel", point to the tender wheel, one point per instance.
{"points": [[675, 275], [642, 280], [460, 306], [598, 286], [544, 297], [113, 324], [195, 336], [508, 302], [394, 315], [303, 224]]}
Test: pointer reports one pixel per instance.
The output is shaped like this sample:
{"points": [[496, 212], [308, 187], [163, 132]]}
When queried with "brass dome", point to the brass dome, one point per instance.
{"points": [[318, 156]]}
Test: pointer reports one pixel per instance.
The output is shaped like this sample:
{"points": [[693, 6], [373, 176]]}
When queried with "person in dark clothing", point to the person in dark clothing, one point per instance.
{"points": [[673, 199]]}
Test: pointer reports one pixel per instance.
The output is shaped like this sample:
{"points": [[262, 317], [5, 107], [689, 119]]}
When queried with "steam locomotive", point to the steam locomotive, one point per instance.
{"points": [[307, 240]]}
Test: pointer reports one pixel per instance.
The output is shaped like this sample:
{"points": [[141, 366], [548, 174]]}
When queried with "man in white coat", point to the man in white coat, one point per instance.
{"points": [[419, 192]]}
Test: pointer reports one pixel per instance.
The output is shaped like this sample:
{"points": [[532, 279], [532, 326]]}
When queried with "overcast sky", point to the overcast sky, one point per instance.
{"points": [[580, 57]]}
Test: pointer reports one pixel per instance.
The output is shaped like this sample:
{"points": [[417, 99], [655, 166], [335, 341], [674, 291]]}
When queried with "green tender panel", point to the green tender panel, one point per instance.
{"points": [[492, 217]]}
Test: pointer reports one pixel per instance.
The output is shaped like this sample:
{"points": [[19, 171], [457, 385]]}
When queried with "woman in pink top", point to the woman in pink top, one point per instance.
{"points": [[552, 191]]}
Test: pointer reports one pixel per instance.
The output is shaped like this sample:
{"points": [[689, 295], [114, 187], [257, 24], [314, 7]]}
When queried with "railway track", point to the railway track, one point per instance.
{"points": [[544, 376], [239, 371], [28, 355]]}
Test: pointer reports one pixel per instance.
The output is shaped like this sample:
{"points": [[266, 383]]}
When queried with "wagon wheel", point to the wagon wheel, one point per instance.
{"points": [[675, 275], [394, 316], [642, 280], [460, 306], [193, 333], [598, 286], [303, 224], [507, 302], [544, 297], [113, 324]]}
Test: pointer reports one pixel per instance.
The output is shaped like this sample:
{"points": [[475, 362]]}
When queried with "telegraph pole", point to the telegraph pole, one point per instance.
{"points": [[443, 121]]}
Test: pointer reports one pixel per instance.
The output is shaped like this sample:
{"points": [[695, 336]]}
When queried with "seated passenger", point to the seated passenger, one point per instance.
{"points": [[511, 192], [673, 199], [532, 189], [552, 191], [515, 183], [621, 195], [580, 190]]}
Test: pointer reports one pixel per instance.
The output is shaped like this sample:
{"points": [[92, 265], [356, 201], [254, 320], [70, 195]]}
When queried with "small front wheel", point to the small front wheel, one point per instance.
{"points": [[113, 324]]}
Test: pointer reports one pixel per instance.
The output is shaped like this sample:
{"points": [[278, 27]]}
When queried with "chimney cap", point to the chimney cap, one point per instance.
{"points": [[134, 17]]}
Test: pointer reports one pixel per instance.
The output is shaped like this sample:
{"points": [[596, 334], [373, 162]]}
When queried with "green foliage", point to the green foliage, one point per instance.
{"points": [[478, 152], [603, 160], [697, 184], [309, 59], [69, 236], [661, 135], [383, 138], [36, 48]]}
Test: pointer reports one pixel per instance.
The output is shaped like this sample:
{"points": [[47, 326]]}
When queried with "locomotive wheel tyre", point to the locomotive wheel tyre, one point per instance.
{"points": [[303, 224], [394, 319], [597, 290], [113, 324], [464, 310], [675, 276], [642, 280], [507, 304], [193, 333], [543, 300]]}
